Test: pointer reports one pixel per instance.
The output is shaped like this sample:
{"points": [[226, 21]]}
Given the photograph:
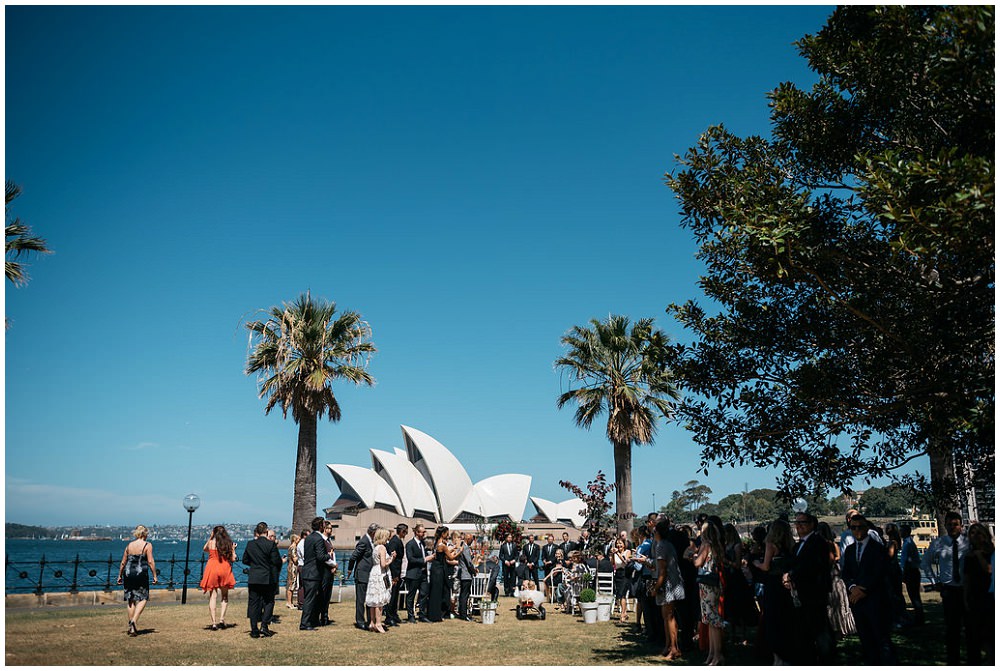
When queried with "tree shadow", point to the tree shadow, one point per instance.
{"points": [[628, 646]]}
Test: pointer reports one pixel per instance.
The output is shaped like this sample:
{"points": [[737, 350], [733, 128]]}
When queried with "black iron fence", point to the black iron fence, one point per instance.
{"points": [[89, 575]]}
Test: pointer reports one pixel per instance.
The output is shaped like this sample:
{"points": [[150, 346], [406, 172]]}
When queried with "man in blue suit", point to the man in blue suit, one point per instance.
{"points": [[865, 575]]}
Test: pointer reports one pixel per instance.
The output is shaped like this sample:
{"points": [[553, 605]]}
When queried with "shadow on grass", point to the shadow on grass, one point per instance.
{"points": [[628, 647], [915, 646]]}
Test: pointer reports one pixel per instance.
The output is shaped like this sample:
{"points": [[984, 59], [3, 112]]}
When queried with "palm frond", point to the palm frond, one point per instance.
{"points": [[620, 368], [301, 349]]}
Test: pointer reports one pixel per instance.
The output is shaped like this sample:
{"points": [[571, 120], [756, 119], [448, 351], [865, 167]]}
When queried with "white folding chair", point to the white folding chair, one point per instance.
{"points": [[605, 583], [480, 585]]}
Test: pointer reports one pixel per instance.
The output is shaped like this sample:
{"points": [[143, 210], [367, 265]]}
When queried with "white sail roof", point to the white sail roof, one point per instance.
{"points": [[365, 485], [500, 495], [443, 472], [413, 491], [569, 510]]}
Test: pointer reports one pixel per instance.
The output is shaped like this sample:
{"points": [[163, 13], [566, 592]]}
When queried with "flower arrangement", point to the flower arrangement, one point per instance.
{"points": [[504, 527], [601, 522]]}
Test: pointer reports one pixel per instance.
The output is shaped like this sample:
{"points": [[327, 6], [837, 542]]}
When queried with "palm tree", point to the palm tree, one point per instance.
{"points": [[297, 354], [624, 373], [19, 239]]}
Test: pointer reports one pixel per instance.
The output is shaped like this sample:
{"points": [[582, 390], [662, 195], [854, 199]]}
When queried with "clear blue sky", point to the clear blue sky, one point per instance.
{"points": [[473, 181]]}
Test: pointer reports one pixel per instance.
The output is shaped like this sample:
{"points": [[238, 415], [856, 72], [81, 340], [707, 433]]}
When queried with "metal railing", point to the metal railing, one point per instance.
{"points": [[89, 575]]}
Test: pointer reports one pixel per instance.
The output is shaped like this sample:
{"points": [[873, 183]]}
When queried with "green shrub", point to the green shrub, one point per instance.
{"points": [[588, 596]]}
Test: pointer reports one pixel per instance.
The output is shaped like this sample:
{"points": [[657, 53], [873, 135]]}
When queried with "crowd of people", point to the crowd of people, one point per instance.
{"points": [[794, 584]]}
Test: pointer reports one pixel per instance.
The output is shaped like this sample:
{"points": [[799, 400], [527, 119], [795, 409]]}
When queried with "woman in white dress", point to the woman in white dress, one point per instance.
{"points": [[379, 582]]}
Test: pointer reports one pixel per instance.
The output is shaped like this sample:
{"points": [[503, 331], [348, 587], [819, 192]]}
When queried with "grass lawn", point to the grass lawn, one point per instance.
{"points": [[178, 636]]}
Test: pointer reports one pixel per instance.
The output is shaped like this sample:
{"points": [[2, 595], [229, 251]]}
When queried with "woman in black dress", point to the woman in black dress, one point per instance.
{"points": [[437, 574], [777, 609], [133, 574], [979, 601], [740, 610]]}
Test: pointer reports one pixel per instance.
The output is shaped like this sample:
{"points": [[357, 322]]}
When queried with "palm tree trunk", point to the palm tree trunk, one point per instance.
{"points": [[623, 485], [304, 503]]}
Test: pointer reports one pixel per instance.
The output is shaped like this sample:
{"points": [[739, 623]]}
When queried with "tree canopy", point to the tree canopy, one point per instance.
{"points": [[849, 261]]}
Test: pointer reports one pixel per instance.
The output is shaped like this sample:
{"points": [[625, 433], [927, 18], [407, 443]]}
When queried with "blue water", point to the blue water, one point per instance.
{"points": [[93, 565]]}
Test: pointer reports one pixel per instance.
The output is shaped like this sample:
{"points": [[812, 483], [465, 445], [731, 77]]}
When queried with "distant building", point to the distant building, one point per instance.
{"points": [[426, 483]]}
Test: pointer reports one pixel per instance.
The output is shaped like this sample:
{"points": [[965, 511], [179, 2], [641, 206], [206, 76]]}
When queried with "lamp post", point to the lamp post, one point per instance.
{"points": [[191, 503]]}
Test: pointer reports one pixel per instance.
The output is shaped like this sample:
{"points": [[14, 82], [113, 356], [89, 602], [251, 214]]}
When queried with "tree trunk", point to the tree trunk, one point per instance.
{"points": [[304, 503], [623, 486], [944, 484]]}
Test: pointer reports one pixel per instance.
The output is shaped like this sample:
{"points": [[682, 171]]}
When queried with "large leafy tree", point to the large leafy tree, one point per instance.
{"points": [[619, 369], [19, 240], [850, 261], [297, 352]]}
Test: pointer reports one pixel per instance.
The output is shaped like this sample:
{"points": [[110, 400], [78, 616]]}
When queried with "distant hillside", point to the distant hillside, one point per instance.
{"points": [[12, 530]]}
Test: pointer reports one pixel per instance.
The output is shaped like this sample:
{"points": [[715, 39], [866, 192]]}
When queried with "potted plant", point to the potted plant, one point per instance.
{"points": [[588, 605], [489, 611]]}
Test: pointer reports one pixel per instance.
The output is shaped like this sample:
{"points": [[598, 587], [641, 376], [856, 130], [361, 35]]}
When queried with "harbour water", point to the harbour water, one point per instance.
{"points": [[93, 565]]}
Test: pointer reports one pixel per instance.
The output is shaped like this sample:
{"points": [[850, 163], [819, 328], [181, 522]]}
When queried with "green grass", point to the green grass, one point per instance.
{"points": [[177, 635]]}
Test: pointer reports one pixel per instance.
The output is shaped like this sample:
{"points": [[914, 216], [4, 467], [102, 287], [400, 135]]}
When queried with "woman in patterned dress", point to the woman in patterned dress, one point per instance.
{"points": [[379, 593], [133, 574], [292, 577], [709, 561], [668, 587]]}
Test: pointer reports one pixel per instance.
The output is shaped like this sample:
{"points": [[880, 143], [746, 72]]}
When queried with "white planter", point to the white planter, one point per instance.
{"points": [[605, 604], [589, 611], [489, 614]]}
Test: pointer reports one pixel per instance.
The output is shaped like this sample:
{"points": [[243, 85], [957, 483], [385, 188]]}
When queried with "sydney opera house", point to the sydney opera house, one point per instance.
{"points": [[426, 483]]}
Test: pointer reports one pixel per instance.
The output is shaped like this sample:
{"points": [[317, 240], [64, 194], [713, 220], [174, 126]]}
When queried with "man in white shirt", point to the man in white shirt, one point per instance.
{"points": [[948, 552]]}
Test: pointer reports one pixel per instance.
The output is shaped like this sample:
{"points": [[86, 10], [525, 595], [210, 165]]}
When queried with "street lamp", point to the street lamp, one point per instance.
{"points": [[191, 503]]}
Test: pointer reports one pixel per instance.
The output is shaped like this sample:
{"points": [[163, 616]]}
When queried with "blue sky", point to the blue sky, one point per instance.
{"points": [[473, 181]]}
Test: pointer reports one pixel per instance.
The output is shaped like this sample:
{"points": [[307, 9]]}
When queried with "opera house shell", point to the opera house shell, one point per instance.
{"points": [[427, 482]]}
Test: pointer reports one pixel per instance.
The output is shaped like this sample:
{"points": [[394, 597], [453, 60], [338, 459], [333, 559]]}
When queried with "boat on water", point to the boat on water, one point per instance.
{"points": [[923, 530]]}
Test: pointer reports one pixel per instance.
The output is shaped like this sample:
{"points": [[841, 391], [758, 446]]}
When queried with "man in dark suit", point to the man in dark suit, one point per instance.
{"points": [[263, 562], [508, 560], [315, 561], [395, 544], [532, 558], [585, 542], [567, 545], [416, 575], [360, 564], [810, 575], [466, 571], [548, 558], [865, 572], [326, 587]]}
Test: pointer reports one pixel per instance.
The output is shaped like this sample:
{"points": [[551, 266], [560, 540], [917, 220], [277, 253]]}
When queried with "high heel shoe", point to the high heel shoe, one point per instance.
{"points": [[132, 631]]}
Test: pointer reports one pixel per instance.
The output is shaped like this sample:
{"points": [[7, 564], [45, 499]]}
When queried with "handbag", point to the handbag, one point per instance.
{"points": [[386, 580], [708, 577]]}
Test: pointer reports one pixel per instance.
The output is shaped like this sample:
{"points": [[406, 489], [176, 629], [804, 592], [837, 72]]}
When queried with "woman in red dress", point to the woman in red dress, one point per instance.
{"points": [[218, 575]]}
